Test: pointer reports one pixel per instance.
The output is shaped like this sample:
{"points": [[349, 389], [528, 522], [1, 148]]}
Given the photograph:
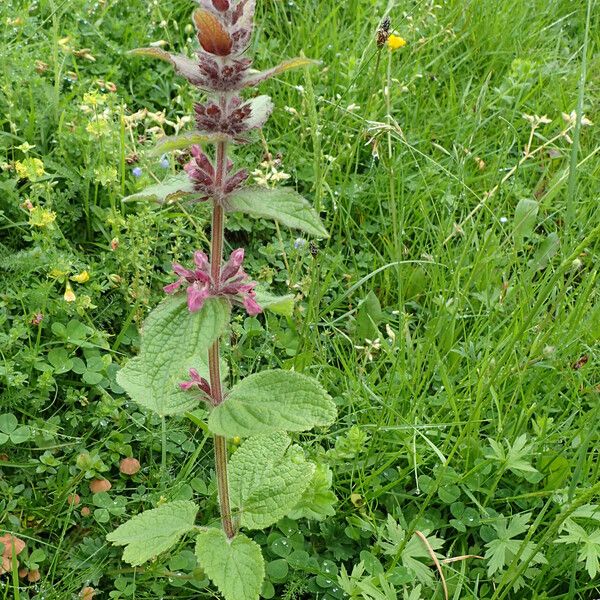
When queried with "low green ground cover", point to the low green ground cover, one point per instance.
{"points": [[453, 314]]}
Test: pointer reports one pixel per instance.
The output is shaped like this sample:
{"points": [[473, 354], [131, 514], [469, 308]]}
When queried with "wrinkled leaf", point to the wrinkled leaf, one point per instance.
{"points": [[266, 478], [235, 566], [148, 534], [271, 401], [283, 205], [173, 188], [173, 341]]}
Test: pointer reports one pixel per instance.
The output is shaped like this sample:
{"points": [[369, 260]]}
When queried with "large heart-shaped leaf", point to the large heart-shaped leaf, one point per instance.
{"points": [[266, 479], [235, 566], [283, 205], [271, 401], [148, 534], [173, 342]]}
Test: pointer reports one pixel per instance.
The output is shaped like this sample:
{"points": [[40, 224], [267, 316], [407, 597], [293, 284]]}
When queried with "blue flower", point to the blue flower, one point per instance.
{"points": [[164, 162], [137, 172]]}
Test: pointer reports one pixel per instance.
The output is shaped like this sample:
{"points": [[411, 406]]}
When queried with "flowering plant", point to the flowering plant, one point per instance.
{"points": [[179, 368]]}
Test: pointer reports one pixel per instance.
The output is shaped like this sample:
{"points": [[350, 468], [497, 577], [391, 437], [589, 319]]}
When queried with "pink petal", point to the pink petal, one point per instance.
{"points": [[252, 306], [172, 287], [182, 272], [196, 298], [186, 385], [195, 375], [232, 266], [201, 260]]}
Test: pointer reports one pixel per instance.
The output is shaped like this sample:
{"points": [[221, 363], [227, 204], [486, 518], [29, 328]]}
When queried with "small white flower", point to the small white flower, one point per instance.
{"points": [[390, 333]]}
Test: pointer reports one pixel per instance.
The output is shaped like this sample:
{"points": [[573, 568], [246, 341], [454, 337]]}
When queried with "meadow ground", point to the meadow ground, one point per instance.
{"points": [[453, 314]]}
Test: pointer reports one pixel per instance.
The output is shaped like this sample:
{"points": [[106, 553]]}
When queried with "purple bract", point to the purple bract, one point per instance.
{"points": [[233, 284]]}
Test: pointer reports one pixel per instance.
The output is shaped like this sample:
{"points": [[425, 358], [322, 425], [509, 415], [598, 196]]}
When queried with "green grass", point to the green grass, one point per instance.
{"points": [[488, 327]]}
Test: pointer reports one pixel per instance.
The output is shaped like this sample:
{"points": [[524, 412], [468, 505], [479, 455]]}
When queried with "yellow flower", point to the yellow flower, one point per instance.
{"points": [[395, 42], [69, 294], [81, 277], [30, 168], [41, 217]]}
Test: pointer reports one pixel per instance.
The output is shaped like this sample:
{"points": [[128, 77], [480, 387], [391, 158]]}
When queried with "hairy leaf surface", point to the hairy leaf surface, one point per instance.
{"points": [[182, 141], [148, 534], [173, 188], [283, 205], [173, 342], [280, 305], [269, 401], [267, 477], [235, 566]]}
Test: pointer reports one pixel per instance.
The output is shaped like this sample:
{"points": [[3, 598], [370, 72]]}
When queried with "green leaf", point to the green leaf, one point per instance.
{"points": [[280, 305], [183, 141], [546, 251], [272, 401], [20, 434], [148, 534], [413, 551], [173, 188], [173, 341], [501, 551], [92, 377], [187, 67], [283, 205], [292, 63], [235, 566], [59, 359], [368, 318], [317, 500], [8, 423], [266, 478], [588, 545], [525, 220]]}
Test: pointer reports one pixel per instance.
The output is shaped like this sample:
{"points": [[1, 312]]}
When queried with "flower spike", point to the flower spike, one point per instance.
{"points": [[233, 283]]}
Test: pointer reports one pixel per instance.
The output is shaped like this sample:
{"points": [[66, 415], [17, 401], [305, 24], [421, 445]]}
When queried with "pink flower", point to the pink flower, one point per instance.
{"points": [[196, 381], [233, 283]]}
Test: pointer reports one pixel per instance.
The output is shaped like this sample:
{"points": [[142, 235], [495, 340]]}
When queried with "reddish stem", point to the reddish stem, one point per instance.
{"points": [[214, 365]]}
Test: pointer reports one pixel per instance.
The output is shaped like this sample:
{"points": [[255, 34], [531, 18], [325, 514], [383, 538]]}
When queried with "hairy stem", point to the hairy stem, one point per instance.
{"points": [[216, 258]]}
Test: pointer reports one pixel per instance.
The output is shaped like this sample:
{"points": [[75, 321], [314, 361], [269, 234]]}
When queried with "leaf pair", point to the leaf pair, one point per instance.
{"points": [[269, 479], [283, 205]]}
